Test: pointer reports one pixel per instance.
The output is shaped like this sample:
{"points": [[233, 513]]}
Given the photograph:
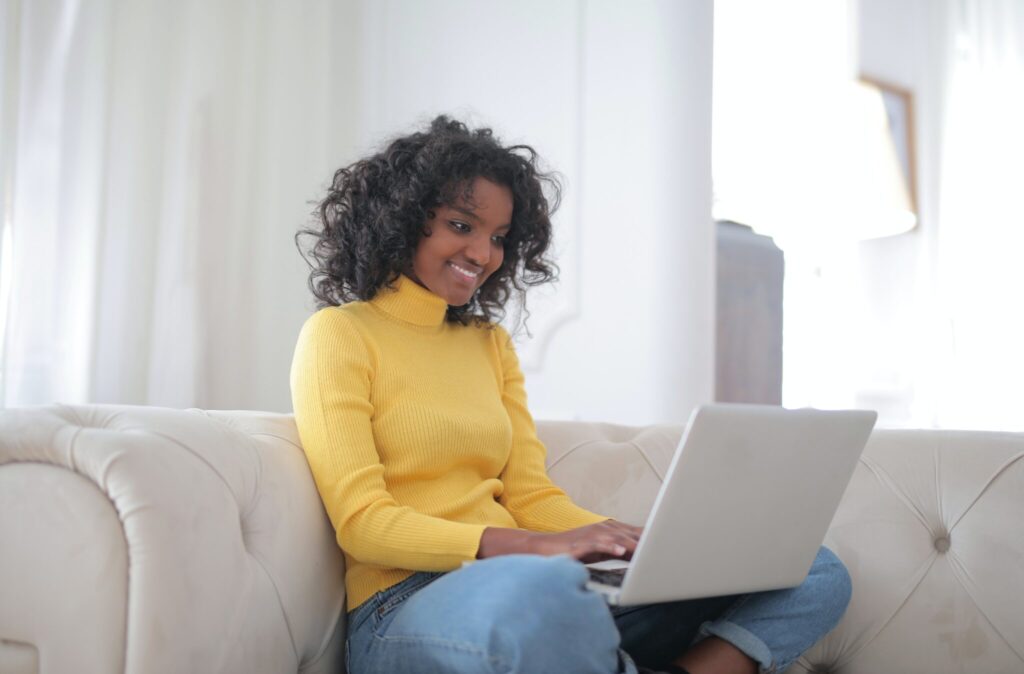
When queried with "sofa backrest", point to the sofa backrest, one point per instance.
{"points": [[931, 529]]}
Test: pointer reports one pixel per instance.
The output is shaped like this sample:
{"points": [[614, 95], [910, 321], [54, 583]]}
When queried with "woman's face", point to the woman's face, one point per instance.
{"points": [[466, 243]]}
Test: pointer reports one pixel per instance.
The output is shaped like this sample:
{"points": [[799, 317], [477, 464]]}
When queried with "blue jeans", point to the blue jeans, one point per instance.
{"points": [[532, 614]]}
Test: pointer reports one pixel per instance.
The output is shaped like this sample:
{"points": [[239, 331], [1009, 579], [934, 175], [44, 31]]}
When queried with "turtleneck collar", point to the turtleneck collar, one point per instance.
{"points": [[411, 302]]}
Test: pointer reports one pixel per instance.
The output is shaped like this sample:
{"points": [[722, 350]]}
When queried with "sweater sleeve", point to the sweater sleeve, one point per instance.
{"points": [[331, 378], [529, 495]]}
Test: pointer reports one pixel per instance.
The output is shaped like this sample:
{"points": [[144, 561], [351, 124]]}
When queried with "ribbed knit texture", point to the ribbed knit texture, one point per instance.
{"points": [[418, 437]]}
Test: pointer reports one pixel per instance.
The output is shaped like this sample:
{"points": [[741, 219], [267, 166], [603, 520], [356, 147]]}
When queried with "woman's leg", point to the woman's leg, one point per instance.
{"points": [[654, 635], [515, 613], [763, 631], [523, 613], [774, 628]]}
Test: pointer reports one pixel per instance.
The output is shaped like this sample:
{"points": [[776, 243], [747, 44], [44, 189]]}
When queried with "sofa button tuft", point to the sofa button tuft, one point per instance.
{"points": [[942, 543]]}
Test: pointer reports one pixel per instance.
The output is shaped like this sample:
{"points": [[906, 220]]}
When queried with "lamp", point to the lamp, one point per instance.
{"points": [[831, 173]]}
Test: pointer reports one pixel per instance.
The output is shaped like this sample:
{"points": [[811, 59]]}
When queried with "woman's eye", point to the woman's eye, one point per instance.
{"points": [[459, 226], [500, 240]]}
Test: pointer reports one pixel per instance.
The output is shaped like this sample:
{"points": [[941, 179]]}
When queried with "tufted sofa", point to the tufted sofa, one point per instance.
{"points": [[144, 539]]}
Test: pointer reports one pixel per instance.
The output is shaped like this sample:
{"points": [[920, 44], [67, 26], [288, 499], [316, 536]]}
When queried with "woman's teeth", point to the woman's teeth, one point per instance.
{"points": [[465, 272]]}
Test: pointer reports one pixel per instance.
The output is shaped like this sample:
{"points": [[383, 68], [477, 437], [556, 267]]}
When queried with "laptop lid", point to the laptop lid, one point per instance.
{"points": [[746, 502]]}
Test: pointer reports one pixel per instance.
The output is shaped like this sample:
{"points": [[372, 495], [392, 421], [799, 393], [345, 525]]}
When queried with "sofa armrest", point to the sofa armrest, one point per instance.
{"points": [[149, 539]]}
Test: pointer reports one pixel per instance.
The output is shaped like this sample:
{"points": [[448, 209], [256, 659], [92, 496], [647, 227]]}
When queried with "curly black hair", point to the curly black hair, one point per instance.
{"points": [[370, 222]]}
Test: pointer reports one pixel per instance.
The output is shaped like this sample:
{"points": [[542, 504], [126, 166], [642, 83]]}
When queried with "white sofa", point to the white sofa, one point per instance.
{"points": [[143, 539]]}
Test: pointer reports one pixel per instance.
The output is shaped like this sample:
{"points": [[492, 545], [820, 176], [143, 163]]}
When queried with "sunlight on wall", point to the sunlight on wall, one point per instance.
{"points": [[982, 226]]}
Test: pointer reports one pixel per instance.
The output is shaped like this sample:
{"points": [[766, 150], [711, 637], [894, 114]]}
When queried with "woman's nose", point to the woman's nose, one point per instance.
{"points": [[479, 251]]}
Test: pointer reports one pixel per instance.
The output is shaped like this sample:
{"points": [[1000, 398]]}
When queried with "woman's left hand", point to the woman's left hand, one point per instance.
{"points": [[610, 539]]}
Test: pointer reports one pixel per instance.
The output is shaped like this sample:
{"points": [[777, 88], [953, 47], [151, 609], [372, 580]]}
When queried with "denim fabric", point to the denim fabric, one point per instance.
{"points": [[531, 614]]}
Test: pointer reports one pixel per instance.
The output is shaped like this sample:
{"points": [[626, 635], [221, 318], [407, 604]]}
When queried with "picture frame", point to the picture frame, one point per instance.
{"points": [[899, 109]]}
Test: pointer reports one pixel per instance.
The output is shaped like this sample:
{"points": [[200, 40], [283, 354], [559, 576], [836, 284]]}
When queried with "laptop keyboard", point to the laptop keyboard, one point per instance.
{"points": [[611, 577]]}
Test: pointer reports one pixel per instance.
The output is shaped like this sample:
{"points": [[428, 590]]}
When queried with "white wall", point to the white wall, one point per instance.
{"points": [[617, 97], [194, 141]]}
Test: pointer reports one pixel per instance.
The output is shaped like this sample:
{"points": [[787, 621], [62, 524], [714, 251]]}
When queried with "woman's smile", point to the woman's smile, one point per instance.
{"points": [[464, 273]]}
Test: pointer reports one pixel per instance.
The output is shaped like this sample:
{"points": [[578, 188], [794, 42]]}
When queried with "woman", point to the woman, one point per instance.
{"points": [[411, 408]]}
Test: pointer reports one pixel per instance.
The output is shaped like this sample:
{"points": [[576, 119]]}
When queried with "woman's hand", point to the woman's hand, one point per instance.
{"points": [[605, 540], [595, 542]]}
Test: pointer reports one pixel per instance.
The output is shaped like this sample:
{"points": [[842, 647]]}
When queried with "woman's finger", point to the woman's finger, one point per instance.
{"points": [[616, 547], [632, 532], [629, 528], [624, 538], [612, 548], [592, 547]]}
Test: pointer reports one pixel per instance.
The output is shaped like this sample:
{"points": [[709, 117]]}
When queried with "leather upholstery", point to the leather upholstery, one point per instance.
{"points": [[144, 539]]}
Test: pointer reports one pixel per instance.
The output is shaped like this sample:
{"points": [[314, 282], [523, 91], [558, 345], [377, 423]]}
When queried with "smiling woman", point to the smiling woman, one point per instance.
{"points": [[443, 195], [411, 407]]}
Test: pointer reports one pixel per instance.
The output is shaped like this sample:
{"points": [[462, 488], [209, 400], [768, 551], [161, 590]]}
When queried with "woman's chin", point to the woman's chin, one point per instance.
{"points": [[459, 294]]}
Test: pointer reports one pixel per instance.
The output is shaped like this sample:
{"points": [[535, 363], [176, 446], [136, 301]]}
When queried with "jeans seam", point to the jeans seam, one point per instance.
{"points": [[387, 605], [736, 606], [460, 646]]}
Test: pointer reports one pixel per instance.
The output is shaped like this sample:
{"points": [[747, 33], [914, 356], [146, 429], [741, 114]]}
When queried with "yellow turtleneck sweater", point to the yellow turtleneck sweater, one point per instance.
{"points": [[418, 437]]}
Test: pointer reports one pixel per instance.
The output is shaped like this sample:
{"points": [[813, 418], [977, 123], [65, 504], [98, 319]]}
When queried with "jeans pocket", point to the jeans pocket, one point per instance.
{"points": [[393, 597]]}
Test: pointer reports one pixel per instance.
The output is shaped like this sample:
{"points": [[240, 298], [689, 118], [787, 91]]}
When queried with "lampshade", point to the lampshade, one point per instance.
{"points": [[830, 173]]}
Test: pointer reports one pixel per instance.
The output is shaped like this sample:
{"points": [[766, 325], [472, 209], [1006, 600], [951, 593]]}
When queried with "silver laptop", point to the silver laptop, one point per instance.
{"points": [[745, 505]]}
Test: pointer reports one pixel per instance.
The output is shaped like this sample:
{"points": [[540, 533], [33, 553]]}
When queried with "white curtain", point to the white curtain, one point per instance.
{"points": [[981, 220], [157, 158]]}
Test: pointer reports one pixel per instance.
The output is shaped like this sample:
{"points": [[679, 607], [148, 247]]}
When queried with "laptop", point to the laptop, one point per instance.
{"points": [[745, 505]]}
